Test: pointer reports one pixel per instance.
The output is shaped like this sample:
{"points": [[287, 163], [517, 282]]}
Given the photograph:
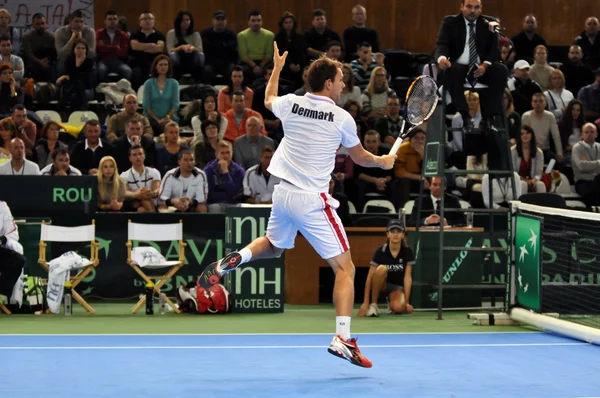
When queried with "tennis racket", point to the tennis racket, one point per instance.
{"points": [[421, 101]]}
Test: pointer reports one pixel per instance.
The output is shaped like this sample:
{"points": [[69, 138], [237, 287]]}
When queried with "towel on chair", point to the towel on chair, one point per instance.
{"points": [[60, 270], [144, 256]]}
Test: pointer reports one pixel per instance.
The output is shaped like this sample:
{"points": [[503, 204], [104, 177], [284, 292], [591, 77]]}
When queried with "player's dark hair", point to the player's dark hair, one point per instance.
{"points": [[319, 13], [238, 92], [320, 71], [254, 13], [110, 12]]}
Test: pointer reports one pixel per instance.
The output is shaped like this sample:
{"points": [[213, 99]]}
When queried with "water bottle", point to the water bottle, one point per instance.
{"points": [[149, 298], [163, 303], [67, 299]]}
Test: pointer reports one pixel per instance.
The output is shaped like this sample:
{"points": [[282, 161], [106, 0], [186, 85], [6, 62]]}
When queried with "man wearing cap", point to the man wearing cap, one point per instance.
{"points": [[220, 48], [430, 206], [391, 272], [522, 87]]}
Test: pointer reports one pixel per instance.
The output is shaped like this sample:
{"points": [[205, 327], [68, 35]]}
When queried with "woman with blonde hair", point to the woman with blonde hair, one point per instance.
{"points": [[111, 187], [375, 96], [557, 97]]}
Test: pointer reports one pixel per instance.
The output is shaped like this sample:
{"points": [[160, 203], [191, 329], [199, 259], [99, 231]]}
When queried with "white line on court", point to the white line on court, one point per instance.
{"points": [[281, 347], [262, 334]]}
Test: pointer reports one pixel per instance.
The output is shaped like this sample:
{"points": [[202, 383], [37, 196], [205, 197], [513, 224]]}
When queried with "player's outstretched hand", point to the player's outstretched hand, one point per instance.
{"points": [[278, 60], [388, 161]]}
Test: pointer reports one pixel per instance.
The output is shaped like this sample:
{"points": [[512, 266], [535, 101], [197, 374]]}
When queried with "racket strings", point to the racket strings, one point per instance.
{"points": [[422, 99]]}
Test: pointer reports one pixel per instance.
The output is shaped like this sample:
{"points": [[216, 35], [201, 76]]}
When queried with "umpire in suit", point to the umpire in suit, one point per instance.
{"points": [[466, 47], [430, 206]]}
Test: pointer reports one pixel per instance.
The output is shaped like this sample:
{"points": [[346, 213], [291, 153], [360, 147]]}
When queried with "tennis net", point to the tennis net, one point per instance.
{"points": [[557, 269]]}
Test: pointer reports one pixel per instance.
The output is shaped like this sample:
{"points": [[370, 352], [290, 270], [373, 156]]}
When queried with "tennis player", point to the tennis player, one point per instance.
{"points": [[314, 129], [390, 271]]}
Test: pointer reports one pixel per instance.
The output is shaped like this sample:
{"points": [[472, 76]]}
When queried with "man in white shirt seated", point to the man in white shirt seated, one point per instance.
{"points": [[259, 184], [61, 165], [143, 183], [185, 187], [586, 165], [18, 165]]}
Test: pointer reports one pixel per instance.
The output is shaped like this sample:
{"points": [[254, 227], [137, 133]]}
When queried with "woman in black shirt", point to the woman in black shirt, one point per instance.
{"points": [[77, 78], [391, 272], [288, 39]]}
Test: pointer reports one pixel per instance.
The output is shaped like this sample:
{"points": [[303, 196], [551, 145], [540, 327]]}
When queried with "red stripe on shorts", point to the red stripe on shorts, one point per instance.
{"points": [[336, 227]]}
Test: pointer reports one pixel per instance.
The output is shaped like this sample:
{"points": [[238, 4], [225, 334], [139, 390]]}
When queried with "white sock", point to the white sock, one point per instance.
{"points": [[246, 255], [342, 327]]}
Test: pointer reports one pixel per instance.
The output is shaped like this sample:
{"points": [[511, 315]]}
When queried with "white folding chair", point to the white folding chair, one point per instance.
{"points": [[380, 203], [408, 207], [140, 94], [156, 232], [79, 118], [83, 233], [47, 116], [351, 208], [464, 204]]}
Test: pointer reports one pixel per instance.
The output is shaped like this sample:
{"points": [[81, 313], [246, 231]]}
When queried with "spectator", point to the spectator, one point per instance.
{"points": [[528, 161], [540, 70], [237, 117], [333, 50], [364, 65], [305, 86], [66, 37], [586, 166], [570, 127], [589, 43], [317, 37], [142, 183], [350, 92], [184, 46], [507, 56], [256, 47], [113, 48], [472, 182], [343, 171], [474, 145], [117, 123], [288, 39], [8, 132], [123, 26], [354, 109], [26, 129], [544, 124], [167, 155], [18, 165], [514, 119], [205, 150], [220, 48], [577, 74], [408, 167], [145, 44], [271, 122], [259, 184], [590, 96], [375, 96], [502, 192], [236, 83], [77, 77], [527, 40], [372, 180], [359, 33], [430, 205], [388, 126], [522, 88], [11, 94], [86, 155], [6, 55], [225, 180], [184, 187], [247, 149], [111, 187], [61, 165], [208, 111], [557, 97], [133, 136], [42, 153], [161, 95], [39, 51], [12, 32]]}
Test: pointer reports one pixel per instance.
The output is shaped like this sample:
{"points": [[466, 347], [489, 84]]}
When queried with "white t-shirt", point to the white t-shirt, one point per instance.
{"points": [[255, 183], [29, 169], [175, 186], [136, 181], [314, 127]]}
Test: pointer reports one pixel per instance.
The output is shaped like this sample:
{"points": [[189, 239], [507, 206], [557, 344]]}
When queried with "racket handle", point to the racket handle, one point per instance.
{"points": [[399, 140]]}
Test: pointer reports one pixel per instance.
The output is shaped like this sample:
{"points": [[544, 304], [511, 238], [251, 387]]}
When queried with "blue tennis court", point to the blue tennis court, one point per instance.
{"points": [[276, 365]]}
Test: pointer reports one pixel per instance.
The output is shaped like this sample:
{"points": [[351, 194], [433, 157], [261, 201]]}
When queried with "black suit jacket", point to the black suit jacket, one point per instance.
{"points": [[85, 160], [450, 202], [453, 34], [121, 152]]}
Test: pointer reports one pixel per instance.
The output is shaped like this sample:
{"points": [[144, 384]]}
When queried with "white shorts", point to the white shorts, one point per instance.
{"points": [[313, 214]]}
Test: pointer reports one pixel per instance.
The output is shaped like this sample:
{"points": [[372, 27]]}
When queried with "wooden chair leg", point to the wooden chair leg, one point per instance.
{"points": [[4, 309], [139, 305], [83, 303]]}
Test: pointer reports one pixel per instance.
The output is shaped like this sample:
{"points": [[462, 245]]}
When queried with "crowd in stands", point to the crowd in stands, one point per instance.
{"points": [[197, 137]]}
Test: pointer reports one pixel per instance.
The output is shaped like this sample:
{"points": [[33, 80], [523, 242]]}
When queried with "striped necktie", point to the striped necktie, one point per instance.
{"points": [[472, 46]]}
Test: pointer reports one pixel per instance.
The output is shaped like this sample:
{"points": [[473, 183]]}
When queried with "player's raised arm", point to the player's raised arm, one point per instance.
{"points": [[273, 85], [366, 159]]}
